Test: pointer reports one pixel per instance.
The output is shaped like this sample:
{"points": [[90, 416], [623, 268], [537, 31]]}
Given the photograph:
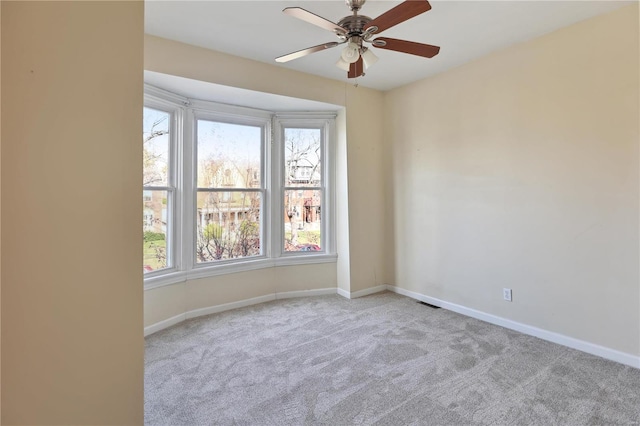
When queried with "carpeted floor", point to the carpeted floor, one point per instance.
{"points": [[383, 359]]}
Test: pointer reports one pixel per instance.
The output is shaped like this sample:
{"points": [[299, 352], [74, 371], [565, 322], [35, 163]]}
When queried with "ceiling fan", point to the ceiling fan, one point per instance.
{"points": [[355, 30]]}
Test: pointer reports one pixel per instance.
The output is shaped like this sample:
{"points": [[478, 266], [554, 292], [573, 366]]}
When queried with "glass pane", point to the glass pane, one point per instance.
{"points": [[302, 157], [228, 155], [228, 225], [155, 140], [302, 220], [154, 225]]}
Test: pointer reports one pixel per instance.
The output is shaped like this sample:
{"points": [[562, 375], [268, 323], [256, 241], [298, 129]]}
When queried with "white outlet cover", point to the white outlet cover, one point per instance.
{"points": [[506, 294]]}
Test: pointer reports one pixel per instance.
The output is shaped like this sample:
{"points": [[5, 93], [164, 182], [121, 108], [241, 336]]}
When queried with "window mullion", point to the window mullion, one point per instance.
{"points": [[314, 203], [277, 193], [188, 176]]}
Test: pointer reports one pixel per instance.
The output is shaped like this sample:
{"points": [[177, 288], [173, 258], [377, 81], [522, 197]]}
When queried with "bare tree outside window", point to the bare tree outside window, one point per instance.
{"points": [[155, 181], [303, 189], [222, 192], [229, 198], [155, 147]]}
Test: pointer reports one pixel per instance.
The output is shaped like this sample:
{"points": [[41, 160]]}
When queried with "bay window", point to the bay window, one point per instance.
{"points": [[227, 189]]}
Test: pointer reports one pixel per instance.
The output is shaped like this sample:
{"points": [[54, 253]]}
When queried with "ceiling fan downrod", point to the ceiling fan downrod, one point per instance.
{"points": [[355, 5]]}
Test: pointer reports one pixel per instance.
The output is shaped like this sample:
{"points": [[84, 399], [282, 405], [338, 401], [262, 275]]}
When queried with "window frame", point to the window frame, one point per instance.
{"points": [[174, 195], [183, 153], [210, 111], [325, 122]]}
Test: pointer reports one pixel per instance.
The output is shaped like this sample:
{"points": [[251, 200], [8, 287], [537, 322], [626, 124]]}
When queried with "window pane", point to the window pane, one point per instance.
{"points": [[154, 225], [228, 225], [302, 220], [302, 157], [228, 155], [155, 140]]}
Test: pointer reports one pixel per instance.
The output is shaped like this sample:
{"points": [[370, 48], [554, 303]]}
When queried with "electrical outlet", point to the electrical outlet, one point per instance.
{"points": [[506, 294]]}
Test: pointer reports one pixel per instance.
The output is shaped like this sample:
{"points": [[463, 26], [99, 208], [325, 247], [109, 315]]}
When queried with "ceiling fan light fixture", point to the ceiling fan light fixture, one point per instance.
{"points": [[368, 57], [343, 65], [351, 53]]}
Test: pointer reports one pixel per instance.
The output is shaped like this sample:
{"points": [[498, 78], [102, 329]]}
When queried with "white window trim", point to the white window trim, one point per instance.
{"points": [[186, 112], [236, 115], [325, 122], [174, 210]]}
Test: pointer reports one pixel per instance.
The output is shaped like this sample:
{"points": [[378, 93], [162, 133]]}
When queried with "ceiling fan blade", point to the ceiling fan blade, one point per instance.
{"points": [[405, 10], [411, 47], [307, 51], [312, 18], [356, 69]]}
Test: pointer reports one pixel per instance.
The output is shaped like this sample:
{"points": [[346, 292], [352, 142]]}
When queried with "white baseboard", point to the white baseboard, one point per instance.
{"points": [[234, 305], [344, 293], [581, 345], [368, 291], [361, 293], [153, 328], [228, 306], [305, 293]]}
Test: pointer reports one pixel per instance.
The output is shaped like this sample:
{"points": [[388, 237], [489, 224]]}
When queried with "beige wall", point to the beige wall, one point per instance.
{"points": [[362, 263], [343, 269], [169, 301], [174, 58], [72, 323], [520, 170], [368, 255], [0, 212]]}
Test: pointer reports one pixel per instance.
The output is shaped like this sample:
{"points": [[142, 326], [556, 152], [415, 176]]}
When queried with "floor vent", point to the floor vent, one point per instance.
{"points": [[429, 305]]}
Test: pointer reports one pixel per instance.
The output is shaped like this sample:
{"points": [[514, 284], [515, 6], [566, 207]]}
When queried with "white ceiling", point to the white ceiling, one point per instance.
{"points": [[465, 30]]}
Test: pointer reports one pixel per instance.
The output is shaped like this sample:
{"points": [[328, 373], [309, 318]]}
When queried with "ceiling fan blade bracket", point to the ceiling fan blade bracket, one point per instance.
{"points": [[369, 32]]}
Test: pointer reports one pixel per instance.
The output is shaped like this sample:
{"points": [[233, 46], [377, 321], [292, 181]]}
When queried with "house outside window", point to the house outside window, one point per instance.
{"points": [[303, 147], [228, 189]]}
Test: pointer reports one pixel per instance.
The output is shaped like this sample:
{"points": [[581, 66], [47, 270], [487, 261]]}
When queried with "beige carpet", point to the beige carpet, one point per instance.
{"points": [[383, 359]]}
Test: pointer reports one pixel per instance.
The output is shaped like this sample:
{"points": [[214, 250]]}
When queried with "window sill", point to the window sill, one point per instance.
{"points": [[234, 268], [164, 279]]}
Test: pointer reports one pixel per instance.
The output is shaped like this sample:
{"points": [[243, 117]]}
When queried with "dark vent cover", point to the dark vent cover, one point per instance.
{"points": [[429, 305]]}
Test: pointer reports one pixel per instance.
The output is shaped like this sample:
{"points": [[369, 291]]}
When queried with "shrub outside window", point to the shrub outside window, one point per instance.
{"points": [[227, 189]]}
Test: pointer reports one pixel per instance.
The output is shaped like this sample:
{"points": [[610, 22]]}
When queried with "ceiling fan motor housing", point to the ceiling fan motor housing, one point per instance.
{"points": [[354, 24]]}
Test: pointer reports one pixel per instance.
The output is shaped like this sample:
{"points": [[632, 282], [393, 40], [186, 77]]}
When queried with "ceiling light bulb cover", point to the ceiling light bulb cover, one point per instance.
{"points": [[343, 65], [368, 58], [350, 53]]}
